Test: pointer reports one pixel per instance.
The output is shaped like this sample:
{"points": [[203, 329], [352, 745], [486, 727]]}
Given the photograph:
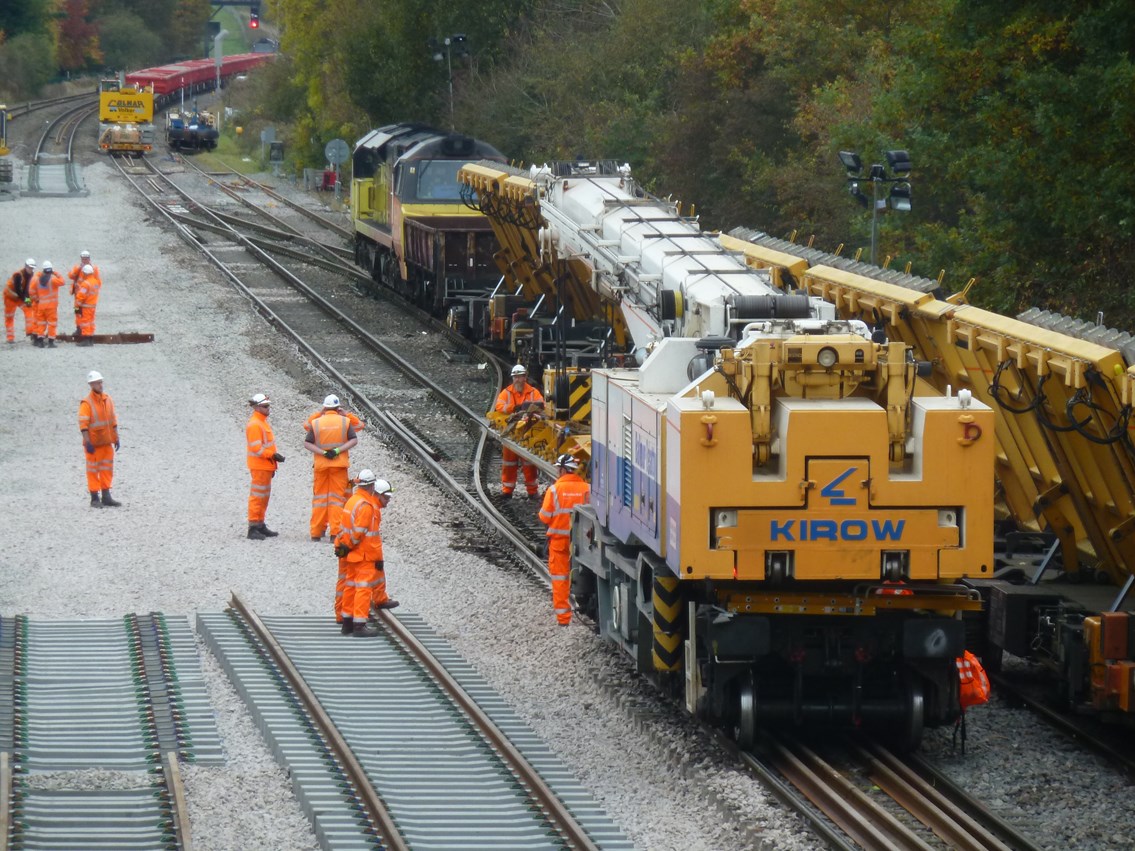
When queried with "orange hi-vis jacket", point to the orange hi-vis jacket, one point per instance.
{"points": [[45, 289], [359, 527], [356, 423], [87, 290], [509, 400], [96, 417], [77, 272], [328, 431], [559, 499], [973, 683], [261, 443], [19, 286]]}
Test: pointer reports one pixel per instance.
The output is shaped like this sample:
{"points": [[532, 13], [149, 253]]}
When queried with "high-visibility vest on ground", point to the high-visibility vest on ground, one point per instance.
{"points": [[974, 682]]}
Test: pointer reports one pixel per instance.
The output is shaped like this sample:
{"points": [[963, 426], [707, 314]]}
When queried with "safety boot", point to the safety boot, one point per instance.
{"points": [[365, 630], [385, 604], [95, 501], [254, 533], [108, 500], [266, 532], [51, 342], [347, 627], [37, 342]]}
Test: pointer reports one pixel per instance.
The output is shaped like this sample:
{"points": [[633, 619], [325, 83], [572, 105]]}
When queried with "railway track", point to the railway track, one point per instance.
{"points": [[418, 752], [54, 171], [96, 717]]}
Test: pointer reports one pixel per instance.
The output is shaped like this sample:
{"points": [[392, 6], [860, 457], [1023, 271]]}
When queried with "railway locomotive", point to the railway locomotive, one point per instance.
{"points": [[126, 118], [783, 514], [413, 233]]}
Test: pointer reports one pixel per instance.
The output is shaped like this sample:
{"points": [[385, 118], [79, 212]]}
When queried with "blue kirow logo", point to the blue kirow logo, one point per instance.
{"points": [[836, 530]]}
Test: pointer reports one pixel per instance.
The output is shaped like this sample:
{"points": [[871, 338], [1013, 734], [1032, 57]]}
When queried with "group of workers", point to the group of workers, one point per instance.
{"points": [[36, 294], [522, 399], [353, 519]]}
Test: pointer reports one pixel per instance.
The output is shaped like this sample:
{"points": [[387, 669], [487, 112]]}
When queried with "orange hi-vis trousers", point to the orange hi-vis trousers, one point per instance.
{"points": [[259, 493], [509, 462], [328, 495], [361, 577], [85, 321], [559, 568], [11, 305], [100, 468]]}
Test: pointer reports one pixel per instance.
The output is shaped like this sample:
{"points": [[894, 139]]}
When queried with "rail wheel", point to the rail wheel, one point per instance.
{"points": [[745, 722], [907, 731]]}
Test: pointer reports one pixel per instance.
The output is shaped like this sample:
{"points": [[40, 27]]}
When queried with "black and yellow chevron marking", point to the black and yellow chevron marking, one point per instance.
{"points": [[579, 396], [668, 610]]}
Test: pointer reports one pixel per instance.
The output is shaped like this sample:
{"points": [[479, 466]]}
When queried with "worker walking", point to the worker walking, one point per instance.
{"points": [[329, 437], [263, 459], [98, 425], [568, 491], [45, 305], [86, 290], [17, 296], [517, 400], [359, 543]]}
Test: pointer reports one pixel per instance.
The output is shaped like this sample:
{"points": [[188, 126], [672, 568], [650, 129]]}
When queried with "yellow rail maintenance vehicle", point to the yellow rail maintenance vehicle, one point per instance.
{"points": [[126, 118], [783, 515]]}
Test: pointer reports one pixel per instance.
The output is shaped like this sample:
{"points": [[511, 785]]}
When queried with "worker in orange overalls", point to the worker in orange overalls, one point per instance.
{"points": [[99, 426], [86, 291], [568, 491], [77, 270], [330, 435], [359, 542], [17, 296], [263, 459], [518, 399], [44, 293]]}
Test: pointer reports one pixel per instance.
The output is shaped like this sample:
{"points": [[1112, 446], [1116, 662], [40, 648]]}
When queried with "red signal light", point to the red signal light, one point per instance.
{"points": [[254, 20]]}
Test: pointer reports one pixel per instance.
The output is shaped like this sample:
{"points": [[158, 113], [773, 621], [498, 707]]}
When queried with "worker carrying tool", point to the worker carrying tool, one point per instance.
{"points": [[518, 399]]}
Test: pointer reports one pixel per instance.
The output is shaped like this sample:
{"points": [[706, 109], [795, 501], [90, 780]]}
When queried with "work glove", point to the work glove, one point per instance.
{"points": [[116, 446], [78, 310], [28, 302], [278, 458], [90, 447], [331, 453], [341, 550]]}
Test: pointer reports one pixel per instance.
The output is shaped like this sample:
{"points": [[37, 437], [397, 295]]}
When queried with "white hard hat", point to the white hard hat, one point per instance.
{"points": [[30, 263], [331, 401], [86, 254], [259, 399], [47, 265], [93, 376], [519, 370], [381, 486], [366, 477], [88, 269], [568, 462]]}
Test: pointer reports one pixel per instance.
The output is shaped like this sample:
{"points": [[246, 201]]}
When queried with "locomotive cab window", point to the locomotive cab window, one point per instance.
{"points": [[434, 180]]}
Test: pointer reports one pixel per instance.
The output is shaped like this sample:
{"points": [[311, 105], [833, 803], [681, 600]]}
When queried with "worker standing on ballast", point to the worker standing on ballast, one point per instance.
{"points": [[263, 459], [568, 491], [518, 399], [17, 296], [329, 437], [86, 290], [45, 305], [98, 425], [360, 542], [77, 269]]}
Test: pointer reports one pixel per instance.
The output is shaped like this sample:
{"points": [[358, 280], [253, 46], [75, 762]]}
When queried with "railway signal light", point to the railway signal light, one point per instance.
{"points": [[254, 18]]}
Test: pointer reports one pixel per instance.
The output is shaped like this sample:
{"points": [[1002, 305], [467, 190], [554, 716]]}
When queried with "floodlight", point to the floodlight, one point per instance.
{"points": [[851, 161], [899, 161], [900, 197]]}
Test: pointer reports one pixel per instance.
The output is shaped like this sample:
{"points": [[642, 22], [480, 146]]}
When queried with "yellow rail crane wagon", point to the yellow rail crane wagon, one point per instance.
{"points": [[126, 118], [783, 514]]}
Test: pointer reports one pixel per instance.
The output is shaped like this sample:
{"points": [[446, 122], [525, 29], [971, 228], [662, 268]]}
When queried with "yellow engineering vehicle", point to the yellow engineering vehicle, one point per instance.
{"points": [[126, 118], [780, 522]]}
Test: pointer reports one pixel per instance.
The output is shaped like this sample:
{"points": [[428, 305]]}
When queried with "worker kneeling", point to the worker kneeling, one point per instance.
{"points": [[359, 542]]}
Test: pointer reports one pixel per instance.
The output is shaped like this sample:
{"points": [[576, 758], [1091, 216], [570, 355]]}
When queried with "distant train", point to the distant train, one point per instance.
{"points": [[413, 232], [127, 105]]}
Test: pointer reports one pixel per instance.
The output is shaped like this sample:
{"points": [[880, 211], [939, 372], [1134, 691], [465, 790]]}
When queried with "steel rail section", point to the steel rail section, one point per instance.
{"points": [[376, 809], [520, 766], [5, 799], [179, 809]]}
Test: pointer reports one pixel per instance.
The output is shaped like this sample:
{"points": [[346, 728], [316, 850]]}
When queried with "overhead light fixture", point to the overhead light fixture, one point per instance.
{"points": [[899, 161], [900, 197], [858, 195], [851, 162]]}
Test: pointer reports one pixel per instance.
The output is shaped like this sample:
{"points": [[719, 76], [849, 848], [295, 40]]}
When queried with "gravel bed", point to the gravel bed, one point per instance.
{"points": [[178, 546]]}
